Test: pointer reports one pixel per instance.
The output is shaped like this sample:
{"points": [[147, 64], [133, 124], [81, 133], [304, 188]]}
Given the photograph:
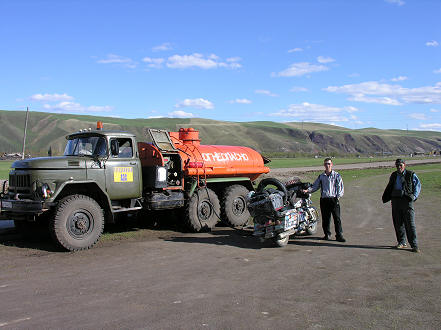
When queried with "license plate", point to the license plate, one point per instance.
{"points": [[7, 205], [290, 221]]}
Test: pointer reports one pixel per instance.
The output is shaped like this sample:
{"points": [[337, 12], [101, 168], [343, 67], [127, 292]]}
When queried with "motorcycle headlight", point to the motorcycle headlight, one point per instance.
{"points": [[250, 195]]}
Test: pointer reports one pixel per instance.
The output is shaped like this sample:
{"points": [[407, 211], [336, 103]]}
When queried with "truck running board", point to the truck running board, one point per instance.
{"points": [[125, 209], [135, 205]]}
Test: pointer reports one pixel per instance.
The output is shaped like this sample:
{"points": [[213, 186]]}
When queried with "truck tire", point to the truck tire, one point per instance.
{"points": [[234, 205], [203, 210], [78, 223], [312, 229]]}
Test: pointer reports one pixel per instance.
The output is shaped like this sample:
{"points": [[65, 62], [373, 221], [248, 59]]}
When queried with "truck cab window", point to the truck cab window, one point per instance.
{"points": [[86, 146], [121, 148]]}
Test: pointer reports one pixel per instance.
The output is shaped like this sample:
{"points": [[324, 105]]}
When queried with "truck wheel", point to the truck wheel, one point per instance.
{"points": [[78, 223], [312, 229], [234, 205], [203, 210]]}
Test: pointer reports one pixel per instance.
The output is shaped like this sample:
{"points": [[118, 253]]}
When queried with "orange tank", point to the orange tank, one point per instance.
{"points": [[216, 160]]}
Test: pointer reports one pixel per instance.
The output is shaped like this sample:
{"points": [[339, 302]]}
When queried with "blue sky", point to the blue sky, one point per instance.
{"points": [[355, 64]]}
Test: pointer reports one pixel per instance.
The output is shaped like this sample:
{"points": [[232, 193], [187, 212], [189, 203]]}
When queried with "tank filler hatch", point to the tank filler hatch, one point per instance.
{"points": [[161, 139]]}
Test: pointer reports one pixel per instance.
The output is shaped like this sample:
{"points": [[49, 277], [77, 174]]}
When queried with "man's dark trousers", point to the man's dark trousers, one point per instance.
{"points": [[403, 216], [330, 206]]}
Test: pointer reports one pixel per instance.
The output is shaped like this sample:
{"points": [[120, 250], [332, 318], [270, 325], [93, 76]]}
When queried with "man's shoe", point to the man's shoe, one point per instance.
{"points": [[325, 238], [340, 239], [401, 246], [415, 249]]}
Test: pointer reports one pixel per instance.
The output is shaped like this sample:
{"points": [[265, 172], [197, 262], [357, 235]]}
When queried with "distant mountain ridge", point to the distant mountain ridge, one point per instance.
{"points": [[49, 129]]}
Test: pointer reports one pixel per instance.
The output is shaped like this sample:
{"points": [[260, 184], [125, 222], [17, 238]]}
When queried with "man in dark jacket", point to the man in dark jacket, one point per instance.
{"points": [[403, 189]]}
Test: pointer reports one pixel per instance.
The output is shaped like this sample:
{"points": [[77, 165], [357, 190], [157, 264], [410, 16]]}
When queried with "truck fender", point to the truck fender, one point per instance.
{"points": [[88, 188]]}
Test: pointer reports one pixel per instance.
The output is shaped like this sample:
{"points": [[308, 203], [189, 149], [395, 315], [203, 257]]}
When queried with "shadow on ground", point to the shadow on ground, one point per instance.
{"points": [[243, 238], [223, 236], [318, 241]]}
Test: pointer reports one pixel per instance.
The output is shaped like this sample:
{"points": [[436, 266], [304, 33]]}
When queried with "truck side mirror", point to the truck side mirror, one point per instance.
{"points": [[114, 149]]}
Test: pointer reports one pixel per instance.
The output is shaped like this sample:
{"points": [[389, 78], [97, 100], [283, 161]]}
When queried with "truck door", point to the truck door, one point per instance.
{"points": [[123, 170], [172, 159]]}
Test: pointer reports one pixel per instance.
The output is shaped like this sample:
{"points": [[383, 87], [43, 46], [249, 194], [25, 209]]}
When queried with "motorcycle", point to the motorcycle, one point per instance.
{"points": [[282, 211]]}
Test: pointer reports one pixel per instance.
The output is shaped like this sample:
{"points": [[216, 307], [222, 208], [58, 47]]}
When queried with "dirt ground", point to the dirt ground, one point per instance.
{"points": [[164, 279]]}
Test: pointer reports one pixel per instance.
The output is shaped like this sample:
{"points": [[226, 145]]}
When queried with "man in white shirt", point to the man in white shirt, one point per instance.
{"points": [[332, 190]]}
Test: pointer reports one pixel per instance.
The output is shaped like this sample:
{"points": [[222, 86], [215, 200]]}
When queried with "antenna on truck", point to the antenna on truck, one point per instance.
{"points": [[24, 134]]}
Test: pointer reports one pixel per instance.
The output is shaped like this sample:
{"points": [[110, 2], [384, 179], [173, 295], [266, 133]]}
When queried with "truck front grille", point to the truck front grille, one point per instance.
{"points": [[19, 183]]}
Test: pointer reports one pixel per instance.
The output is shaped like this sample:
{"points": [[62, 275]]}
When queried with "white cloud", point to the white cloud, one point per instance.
{"points": [[116, 59], [233, 59], [200, 61], [350, 109], [180, 114], [396, 2], [399, 78], [241, 101], [300, 69], [375, 92], [51, 97], [434, 110], [198, 103], [437, 71], [265, 92], [153, 62], [70, 107], [432, 43], [418, 116], [232, 63], [295, 50], [324, 59], [434, 126], [317, 113], [379, 100], [163, 47], [296, 89], [66, 105], [195, 60]]}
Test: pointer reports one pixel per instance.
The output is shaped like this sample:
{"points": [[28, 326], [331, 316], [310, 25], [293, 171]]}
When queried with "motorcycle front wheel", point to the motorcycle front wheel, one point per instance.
{"points": [[281, 242], [312, 229]]}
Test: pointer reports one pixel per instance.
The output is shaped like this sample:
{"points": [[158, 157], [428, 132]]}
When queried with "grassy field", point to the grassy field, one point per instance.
{"points": [[5, 166], [429, 175], [303, 162]]}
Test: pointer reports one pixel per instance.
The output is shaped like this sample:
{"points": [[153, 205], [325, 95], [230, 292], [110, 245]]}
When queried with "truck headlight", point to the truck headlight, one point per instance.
{"points": [[46, 191]]}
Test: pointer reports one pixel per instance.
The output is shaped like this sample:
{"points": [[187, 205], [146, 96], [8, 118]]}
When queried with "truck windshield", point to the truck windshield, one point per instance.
{"points": [[86, 146]]}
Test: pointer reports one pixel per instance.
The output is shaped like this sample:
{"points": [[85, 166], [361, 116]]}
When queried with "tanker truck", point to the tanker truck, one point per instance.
{"points": [[105, 173]]}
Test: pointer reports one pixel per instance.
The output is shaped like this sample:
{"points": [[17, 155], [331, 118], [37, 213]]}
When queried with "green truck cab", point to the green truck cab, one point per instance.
{"points": [[98, 175]]}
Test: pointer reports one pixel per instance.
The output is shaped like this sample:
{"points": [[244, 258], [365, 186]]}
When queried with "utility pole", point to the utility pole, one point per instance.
{"points": [[24, 134]]}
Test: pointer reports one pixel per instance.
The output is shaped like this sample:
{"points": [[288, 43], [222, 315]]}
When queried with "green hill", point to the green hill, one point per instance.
{"points": [[49, 129]]}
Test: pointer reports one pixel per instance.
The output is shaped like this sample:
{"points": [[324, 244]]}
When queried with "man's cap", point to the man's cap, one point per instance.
{"points": [[400, 161]]}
